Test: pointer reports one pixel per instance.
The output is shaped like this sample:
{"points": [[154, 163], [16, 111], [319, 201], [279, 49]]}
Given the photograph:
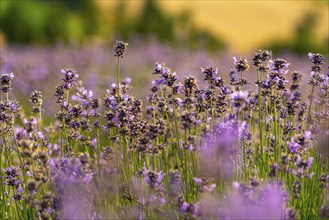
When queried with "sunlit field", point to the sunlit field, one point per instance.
{"points": [[145, 131], [259, 22]]}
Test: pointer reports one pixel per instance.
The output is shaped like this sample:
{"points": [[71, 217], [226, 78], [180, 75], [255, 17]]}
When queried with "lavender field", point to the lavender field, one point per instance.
{"points": [[145, 131]]}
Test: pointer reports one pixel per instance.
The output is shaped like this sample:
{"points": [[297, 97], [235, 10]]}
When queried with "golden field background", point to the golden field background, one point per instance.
{"points": [[243, 24]]}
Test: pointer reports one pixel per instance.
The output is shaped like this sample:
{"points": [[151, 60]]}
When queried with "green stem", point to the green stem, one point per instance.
{"points": [[39, 117], [176, 123], [309, 109], [118, 79], [241, 83], [275, 123], [19, 154], [260, 113], [99, 150], [211, 106]]}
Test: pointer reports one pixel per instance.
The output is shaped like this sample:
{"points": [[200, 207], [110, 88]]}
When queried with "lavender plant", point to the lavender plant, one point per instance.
{"points": [[197, 150]]}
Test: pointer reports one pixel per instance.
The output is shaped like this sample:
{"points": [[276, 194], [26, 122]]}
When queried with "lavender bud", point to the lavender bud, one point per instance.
{"points": [[241, 65], [120, 49], [6, 82]]}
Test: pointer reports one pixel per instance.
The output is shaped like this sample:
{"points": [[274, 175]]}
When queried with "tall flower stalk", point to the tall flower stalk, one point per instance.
{"points": [[120, 50], [259, 61], [317, 61]]}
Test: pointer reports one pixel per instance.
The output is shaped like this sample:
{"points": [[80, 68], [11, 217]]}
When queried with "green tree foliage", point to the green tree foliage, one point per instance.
{"points": [[176, 30], [304, 39], [153, 20], [46, 21]]}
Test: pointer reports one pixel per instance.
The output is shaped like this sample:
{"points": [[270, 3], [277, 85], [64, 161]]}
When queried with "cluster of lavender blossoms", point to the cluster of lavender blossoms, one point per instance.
{"points": [[199, 148]]}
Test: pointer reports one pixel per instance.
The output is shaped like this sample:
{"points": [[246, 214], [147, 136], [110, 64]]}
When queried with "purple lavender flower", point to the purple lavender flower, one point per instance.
{"points": [[264, 203], [241, 65], [158, 68], [36, 97], [279, 66], [218, 150], [120, 49], [239, 98], [184, 207], [209, 73], [309, 162], [293, 147], [153, 178], [261, 56], [12, 106], [86, 98], [189, 85], [324, 211], [12, 176], [189, 208], [6, 81], [70, 76], [317, 60], [198, 181]]}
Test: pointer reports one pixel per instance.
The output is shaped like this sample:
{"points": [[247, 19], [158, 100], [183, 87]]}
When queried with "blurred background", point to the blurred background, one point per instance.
{"points": [[237, 26]]}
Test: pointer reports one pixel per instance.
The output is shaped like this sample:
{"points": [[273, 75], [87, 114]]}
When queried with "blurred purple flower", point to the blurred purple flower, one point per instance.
{"points": [[293, 147], [218, 151], [265, 203]]}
